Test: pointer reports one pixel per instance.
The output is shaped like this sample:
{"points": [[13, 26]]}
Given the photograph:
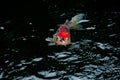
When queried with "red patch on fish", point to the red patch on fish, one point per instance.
{"points": [[63, 32]]}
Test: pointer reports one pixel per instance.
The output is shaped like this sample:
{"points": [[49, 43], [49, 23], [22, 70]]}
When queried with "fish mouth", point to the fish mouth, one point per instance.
{"points": [[63, 42], [59, 41]]}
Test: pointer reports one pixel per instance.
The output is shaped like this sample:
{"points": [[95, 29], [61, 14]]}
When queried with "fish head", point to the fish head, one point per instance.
{"points": [[62, 38]]}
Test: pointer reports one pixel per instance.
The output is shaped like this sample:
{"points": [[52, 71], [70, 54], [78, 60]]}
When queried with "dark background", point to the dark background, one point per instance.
{"points": [[16, 17], [38, 10], [45, 14], [42, 7]]}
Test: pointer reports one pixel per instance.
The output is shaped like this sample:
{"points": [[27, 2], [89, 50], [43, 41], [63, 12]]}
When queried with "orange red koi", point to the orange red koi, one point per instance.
{"points": [[62, 36]]}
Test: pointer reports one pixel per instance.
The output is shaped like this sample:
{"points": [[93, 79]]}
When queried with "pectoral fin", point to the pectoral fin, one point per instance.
{"points": [[49, 39]]}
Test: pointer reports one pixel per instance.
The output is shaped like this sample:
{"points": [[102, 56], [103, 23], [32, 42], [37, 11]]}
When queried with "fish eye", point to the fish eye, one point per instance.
{"points": [[56, 38], [61, 40]]}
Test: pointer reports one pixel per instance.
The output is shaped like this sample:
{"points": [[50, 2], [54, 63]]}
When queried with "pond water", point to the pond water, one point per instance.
{"points": [[93, 55]]}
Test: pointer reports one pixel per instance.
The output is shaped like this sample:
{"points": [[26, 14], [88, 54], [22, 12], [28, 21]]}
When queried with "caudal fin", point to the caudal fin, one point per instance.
{"points": [[76, 22]]}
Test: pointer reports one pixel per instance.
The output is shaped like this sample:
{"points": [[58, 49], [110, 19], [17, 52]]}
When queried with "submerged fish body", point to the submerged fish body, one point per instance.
{"points": [[62, 36]]}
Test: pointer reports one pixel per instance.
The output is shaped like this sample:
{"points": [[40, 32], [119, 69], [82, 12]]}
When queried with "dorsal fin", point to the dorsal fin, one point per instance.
{"points": [[67, 22]]}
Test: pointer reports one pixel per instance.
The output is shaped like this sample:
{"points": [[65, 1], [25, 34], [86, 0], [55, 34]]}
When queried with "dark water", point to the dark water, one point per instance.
{"points": [[94, 54]]}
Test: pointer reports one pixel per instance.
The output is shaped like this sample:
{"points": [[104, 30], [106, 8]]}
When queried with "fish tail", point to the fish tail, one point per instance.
{"points": [[76, 21]]}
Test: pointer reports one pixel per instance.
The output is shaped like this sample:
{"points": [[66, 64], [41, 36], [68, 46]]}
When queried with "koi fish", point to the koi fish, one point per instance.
{"points": [[63, 36]]}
